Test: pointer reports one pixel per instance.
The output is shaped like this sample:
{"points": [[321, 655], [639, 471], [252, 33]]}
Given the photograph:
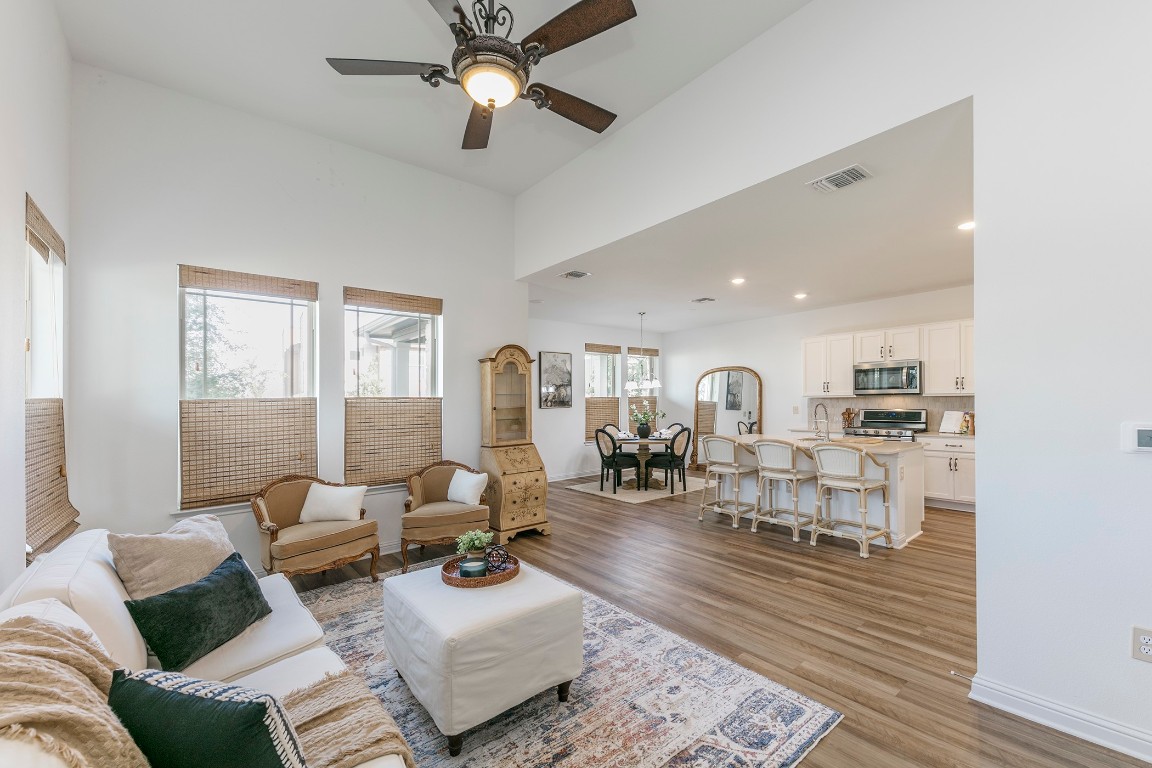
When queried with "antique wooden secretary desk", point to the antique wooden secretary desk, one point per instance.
{"points": [[517, 484]]}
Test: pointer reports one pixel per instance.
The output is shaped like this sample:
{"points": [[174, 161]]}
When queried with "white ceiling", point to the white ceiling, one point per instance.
{"points": [[890, 235], [267, 57]]}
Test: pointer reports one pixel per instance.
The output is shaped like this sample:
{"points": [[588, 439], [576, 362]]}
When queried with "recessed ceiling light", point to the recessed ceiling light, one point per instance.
{"points": [[799, 295], [574, 274], [737, 281], [967, 225], [535, 301]]}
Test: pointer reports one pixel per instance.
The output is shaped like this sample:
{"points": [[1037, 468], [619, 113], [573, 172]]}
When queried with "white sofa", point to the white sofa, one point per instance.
{"points": [[280, 653]]}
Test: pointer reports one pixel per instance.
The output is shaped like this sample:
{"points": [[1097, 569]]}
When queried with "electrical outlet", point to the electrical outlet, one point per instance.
{"points": [[1142, 644], [795, 410]]}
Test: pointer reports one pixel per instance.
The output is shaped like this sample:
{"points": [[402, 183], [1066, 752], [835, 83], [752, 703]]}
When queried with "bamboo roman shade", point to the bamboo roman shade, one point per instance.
{"points": [[644, 351], [638, 401], [386, 439], [396, 302], [602, 349], [599, 411], [230, 449], [50, 518], [39, 231], [705, 418], [243, 282]]}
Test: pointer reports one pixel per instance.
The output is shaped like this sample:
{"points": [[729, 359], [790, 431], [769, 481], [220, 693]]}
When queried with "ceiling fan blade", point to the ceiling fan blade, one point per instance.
{"points": [[449, 10], [581, 21], [575, 109], [479, 128], [378, 67]]}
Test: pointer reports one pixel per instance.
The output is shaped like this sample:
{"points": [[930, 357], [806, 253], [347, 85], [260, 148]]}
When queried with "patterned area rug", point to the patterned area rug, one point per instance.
{"points": [[647, 698], [632, 496]]}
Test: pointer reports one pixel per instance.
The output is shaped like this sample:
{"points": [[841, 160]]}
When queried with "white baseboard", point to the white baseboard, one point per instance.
{"points": [[571, 475], [1098, 730]]}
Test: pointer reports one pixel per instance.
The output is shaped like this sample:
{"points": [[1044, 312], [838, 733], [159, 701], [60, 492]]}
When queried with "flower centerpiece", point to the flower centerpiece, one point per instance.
{"points": [[473, 543], [644, 416]]}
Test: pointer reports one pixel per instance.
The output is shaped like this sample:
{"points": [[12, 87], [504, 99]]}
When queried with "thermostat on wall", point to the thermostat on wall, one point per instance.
{"points": [[1136, 436]]}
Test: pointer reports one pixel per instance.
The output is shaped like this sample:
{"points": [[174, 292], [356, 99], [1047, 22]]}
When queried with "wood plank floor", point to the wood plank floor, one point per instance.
{"points": [[873, 638]]}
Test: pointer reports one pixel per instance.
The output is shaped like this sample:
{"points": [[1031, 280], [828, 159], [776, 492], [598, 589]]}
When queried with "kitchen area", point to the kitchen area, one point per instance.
{"points": [[905, 395]]}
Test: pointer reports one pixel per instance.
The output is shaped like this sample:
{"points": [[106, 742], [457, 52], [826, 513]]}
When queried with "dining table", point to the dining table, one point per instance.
{"points": [[643, 452]]}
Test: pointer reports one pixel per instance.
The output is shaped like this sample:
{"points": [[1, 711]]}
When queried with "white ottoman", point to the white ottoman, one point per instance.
{"points": [[469, 654]]}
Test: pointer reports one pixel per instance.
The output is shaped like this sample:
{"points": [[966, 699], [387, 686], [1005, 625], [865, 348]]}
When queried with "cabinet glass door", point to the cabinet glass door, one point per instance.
{"points": [[511, 406]]}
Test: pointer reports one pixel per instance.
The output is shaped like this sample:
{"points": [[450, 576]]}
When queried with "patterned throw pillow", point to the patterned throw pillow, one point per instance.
{"points": [[181, 722]]}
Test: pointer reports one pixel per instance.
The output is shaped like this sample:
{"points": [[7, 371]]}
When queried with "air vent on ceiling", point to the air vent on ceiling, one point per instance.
{"points": [[703, 300], [842, 178], [574, 274]]}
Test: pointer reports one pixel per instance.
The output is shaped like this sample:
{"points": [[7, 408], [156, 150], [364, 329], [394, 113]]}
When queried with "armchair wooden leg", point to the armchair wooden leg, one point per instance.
{"points": [[404, 554], [372, 565]]}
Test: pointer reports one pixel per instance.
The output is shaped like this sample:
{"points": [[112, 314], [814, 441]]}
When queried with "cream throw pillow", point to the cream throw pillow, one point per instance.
{"points": [[466, 487], [150, 564], [332, 502]]}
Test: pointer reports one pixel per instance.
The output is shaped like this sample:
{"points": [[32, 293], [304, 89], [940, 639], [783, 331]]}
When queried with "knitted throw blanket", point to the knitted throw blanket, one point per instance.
{"points": [[341, 724], [54, 685]]}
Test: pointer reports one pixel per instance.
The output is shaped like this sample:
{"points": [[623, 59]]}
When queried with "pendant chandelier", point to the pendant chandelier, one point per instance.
{"points": [[650, 381]]}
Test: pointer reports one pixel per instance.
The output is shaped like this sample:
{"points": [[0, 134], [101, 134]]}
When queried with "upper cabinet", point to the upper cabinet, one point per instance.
{"points": [[887, 344], [948, 358], [828, 366]]}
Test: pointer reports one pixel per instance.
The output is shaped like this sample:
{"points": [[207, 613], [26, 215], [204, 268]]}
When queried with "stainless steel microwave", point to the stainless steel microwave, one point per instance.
{"points": [[895, 377]]}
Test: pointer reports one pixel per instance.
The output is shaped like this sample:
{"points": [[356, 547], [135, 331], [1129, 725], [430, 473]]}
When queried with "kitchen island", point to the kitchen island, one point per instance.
{"points": [[905, 462]]}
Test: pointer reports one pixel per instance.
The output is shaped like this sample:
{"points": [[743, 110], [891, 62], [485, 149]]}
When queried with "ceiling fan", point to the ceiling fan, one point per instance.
{"points": [[494, 71]]}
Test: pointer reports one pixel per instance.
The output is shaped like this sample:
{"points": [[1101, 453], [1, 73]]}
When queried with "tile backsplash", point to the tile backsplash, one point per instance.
{"points": [[935, 406]]}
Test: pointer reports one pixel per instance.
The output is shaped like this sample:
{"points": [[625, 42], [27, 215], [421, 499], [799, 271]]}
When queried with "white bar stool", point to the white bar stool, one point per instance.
{"points": [[777, 463], [841, 468], [720, 456]]}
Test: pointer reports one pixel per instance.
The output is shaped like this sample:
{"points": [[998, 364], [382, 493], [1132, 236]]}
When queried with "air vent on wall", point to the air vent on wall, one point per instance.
{"points": [[574, 274], [842, 178], [703, 300]]}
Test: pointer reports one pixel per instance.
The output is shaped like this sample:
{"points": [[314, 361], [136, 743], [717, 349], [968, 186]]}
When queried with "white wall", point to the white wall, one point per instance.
{"points": [[559, 432], [1061, 155], [161, 179], [771, 347], [34, 85]]}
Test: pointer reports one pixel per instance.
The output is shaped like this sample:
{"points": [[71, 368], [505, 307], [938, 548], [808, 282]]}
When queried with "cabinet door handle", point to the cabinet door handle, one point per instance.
{"points": [[952, 445], [950, 464], [957, 382], [962, 385], [889, 351], [881, 351]]}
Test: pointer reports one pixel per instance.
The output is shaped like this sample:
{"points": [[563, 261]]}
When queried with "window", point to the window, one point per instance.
{"points": [[601, 387], [643, 372], [247, 410], [392, 408], [49, 515], [239, 345], [391, 354]]}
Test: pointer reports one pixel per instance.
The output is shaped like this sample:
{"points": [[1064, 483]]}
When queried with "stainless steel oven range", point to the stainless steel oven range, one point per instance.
{"points": [[894, 424]]}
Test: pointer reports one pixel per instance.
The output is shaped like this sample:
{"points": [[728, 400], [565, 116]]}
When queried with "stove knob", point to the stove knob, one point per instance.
{"points": [[887, 431]]}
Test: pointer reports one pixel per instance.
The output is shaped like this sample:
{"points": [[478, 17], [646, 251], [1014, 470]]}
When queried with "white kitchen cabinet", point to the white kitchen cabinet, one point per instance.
{"points": [[950, 468], [948, 358], [828, 366], [887, 344]]}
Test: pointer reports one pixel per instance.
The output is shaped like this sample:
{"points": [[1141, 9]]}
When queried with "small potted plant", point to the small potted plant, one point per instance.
{"points": [[473, 543], [644, 416]]}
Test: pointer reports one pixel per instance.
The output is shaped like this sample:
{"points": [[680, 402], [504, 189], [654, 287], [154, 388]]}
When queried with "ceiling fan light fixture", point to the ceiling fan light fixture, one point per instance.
{"points": [[491, 84]]}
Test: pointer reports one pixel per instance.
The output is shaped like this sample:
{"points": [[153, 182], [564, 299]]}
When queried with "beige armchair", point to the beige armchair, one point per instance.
{"points": [[289, 547], [429, 518]]}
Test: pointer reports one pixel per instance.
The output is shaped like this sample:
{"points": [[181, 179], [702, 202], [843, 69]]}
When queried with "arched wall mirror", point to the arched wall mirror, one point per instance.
{"points": [[725, 397]]}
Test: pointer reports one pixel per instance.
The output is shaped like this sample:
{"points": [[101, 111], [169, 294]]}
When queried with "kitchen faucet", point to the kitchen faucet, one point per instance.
{"points": [[821, 435]]}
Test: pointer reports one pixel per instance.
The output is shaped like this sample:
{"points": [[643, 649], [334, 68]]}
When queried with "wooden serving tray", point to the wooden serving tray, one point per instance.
{"points": [[450, 574]]}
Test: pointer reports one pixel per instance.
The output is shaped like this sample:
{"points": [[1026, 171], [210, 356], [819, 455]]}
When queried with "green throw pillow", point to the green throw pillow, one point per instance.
{"points": [[181, 722], [185, 623]]}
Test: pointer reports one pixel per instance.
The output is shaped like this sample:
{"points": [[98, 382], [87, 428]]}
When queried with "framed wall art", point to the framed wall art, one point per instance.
{"points": [[555, 379]]}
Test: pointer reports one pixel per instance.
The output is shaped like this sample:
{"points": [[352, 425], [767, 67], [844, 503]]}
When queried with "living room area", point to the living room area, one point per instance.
{"points": [[167, 182]]}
